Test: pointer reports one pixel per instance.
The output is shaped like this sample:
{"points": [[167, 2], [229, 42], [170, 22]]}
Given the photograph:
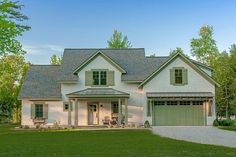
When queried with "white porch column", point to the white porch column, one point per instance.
{"points": [[76, 113], [119, 111], [126, 111], [69, 112]]}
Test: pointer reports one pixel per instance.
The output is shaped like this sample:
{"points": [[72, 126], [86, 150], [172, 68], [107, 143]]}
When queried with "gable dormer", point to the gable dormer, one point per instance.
{"points": [[99, 70], [94, 56]]}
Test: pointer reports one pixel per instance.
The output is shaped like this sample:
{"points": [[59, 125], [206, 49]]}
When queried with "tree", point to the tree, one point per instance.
{"points": [[12, 73], [152, 55], [11, 27], [177, 50], [225, 74], [56, 60], [204, 48], [118, 41]]}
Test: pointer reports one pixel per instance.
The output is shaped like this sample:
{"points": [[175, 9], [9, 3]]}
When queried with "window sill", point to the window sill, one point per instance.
{"points": [[100, 86], [177, 84], [39, 120]]}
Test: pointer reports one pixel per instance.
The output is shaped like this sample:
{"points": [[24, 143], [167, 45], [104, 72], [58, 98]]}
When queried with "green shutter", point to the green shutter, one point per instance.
{"points": [[110, 78], [172, 76], [185, 76], [45, 111], [88, 78], [32, 111]]}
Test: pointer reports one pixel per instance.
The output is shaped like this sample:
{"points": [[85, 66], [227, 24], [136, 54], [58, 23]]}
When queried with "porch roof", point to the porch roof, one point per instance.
{"points": [[180, 94], [98, 93]]}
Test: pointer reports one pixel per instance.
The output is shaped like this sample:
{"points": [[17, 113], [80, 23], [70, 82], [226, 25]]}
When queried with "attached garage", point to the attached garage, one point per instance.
{"points": [[178, 113], [179, 109]]}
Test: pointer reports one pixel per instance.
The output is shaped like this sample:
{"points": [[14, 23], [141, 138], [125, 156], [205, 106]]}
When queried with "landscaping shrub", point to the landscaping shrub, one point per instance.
{"points": [[216, 122], [228, 122], [224, 122], [146, 124]]}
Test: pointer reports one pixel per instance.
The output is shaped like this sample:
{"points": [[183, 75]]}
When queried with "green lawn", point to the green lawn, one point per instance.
{"points": [[131, 143], [230, 128]]}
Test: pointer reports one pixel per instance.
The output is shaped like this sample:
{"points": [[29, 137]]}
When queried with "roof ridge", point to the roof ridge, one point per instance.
{"points": [[156, 56], [43, 65], [102, 48]]}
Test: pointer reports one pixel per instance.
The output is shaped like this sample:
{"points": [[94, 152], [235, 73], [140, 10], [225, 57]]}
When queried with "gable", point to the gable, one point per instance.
{"points": [[184, 59], [93, 57], [162, 81], [131, 60]]}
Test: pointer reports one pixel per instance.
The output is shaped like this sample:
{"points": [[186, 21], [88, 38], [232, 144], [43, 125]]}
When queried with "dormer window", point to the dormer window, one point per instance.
{"points": [[97, 77], [100, 77]]}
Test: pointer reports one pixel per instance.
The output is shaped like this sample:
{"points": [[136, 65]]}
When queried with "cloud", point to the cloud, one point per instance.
{"points": [[41, 49], [56, 48], [40, 54]]}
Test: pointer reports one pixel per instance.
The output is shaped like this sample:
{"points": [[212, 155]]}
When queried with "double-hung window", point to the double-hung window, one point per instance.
{"points": [[178, 76], [38, 110], [100, 77]]}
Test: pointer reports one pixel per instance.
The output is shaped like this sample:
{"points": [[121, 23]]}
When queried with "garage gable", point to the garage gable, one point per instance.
{"points": [[172, 58]]}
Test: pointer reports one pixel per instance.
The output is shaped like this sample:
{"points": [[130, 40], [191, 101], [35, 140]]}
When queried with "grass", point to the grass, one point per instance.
{"points": [[131, 143], [230, 128]]}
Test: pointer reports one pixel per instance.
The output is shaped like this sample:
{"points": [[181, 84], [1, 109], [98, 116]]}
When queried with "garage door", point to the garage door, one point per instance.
{"points": [[178, 113]]}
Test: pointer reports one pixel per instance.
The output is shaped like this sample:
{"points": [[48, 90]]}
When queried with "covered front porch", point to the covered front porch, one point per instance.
{"points": [[97, 107]]}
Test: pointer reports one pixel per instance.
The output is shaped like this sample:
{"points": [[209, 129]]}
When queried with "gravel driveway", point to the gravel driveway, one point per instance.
{"points": [[198, 134]]}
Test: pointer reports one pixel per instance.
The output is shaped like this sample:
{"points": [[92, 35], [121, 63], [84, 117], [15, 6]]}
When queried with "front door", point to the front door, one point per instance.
{"points": [[93, 114]]}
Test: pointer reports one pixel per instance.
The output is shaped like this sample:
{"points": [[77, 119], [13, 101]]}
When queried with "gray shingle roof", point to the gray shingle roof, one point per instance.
{"points": [[129, 59], [41, 83]]}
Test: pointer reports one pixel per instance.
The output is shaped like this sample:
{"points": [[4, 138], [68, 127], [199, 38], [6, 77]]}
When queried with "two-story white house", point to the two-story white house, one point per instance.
{"points": [[97, 86]]}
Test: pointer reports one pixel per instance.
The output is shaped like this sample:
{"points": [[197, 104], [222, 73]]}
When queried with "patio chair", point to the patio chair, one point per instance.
{"points": [[106, 120]]}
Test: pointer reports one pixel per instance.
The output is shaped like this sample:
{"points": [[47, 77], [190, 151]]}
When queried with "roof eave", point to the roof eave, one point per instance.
{"points": [[36, 99], [99, 96]]}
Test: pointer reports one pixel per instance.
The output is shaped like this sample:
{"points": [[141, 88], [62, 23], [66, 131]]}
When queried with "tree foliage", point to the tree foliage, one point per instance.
{"points": [[12, 64], [224, 64], [12, 73], [118, 41], [55, 60], [177, 50], [11, 27], [225, 75], [204, 48]]}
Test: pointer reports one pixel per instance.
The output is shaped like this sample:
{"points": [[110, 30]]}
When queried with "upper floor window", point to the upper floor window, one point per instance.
{"points": [[99, 77], [96, 77], [178, 76]]}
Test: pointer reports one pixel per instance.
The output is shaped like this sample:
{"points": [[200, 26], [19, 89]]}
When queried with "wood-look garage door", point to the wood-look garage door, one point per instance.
{"points": [[178, 113]]}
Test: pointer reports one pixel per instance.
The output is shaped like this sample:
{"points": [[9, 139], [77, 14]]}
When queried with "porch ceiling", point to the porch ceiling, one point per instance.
{"points": [[98, 93]]}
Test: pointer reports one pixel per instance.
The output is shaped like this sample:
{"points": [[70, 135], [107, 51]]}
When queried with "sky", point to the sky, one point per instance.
{"points": [[157, 26]]}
